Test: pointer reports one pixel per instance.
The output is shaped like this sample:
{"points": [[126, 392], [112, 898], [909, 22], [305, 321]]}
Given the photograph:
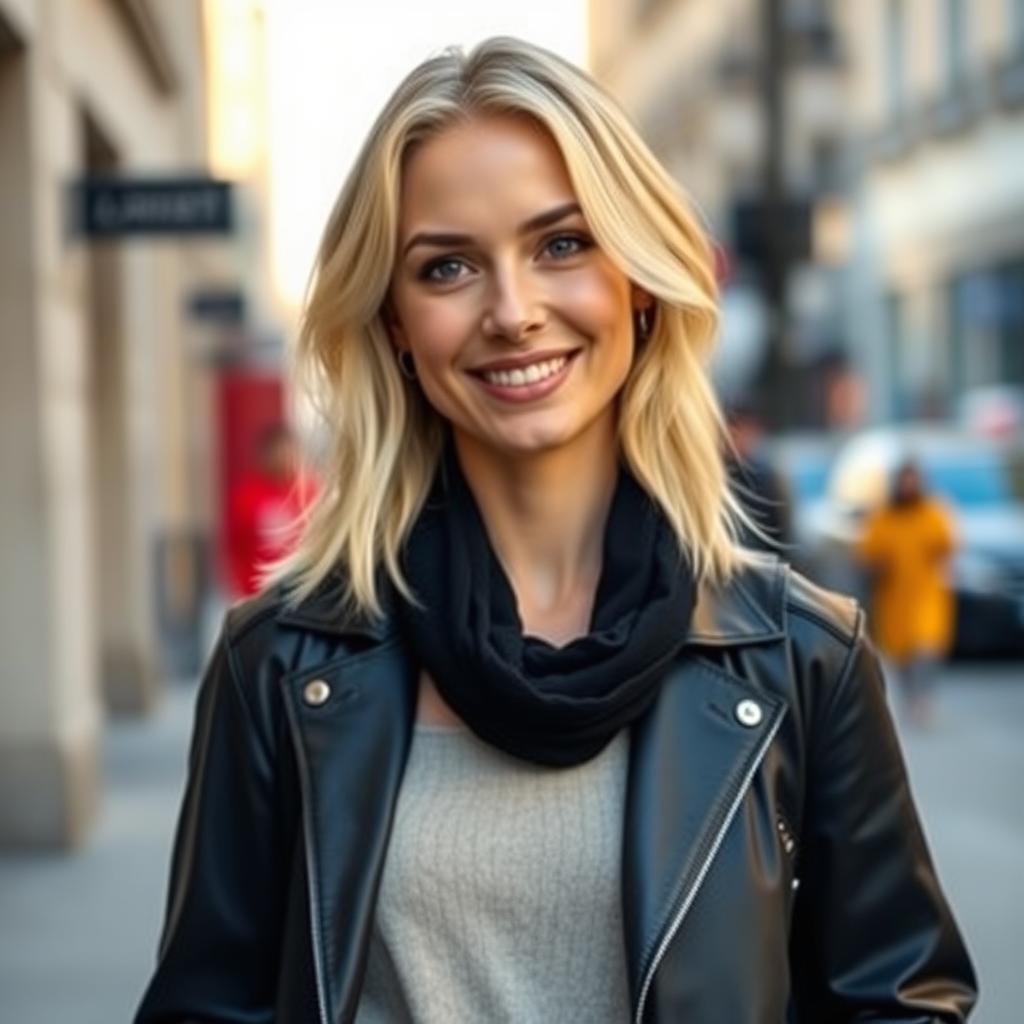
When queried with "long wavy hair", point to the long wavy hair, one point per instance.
{"points": [[385, 439]]}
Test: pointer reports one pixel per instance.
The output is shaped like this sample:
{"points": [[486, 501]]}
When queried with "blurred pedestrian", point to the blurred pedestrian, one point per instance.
{"points": [[756, 482], [522, 734], [906, 545], [266, 509]]}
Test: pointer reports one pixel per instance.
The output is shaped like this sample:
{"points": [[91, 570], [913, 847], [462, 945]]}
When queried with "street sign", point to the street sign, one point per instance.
{"points": [[217, 305], [120, 207]]}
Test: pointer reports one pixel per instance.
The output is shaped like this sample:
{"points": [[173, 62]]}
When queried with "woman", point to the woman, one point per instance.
{"points": [[521, 733], [266, 509], [906, 545]]}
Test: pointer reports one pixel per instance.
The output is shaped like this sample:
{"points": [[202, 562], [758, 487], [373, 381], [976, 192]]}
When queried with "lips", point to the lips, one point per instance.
{"points": [[527, 380]]}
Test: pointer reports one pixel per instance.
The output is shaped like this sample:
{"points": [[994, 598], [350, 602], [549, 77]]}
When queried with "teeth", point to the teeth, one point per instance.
{"points": [[525, 375]]}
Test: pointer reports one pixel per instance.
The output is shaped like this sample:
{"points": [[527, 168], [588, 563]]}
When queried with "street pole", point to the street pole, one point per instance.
{"points": [[775, 379]]}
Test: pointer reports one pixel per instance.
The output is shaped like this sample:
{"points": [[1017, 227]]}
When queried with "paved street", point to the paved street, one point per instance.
{"points": [[77, 933]]}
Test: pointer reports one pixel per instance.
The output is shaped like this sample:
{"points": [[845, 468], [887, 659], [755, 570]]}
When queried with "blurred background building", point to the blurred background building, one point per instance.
{"points": [[748, 110], [935, 102], [860, 166], [136, 319]]}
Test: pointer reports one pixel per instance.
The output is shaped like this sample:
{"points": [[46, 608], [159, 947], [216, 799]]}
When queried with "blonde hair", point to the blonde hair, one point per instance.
{"points": [[385, 439]]}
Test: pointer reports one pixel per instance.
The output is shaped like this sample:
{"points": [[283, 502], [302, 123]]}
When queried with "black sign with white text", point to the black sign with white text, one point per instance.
{"points": [[116, 207]]}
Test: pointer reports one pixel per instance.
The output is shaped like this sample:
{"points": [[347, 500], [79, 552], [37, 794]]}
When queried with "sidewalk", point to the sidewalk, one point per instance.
{"points": [[78, 932]]}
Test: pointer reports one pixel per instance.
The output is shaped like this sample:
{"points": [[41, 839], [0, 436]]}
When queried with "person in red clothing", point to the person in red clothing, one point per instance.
{"points": [[266, 510]]}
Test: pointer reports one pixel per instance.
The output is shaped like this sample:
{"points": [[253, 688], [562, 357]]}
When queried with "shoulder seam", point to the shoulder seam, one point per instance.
{"points": [[251, 622], [779, 587], [239, 689], [858, 632], [808, 613], [843, 674]]}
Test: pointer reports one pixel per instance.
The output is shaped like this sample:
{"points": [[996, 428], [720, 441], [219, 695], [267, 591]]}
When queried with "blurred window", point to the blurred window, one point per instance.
{"points": [[914, 362], [826, 153], [808, 14], [919, 374], [1015, 17], [956, 42], [895, 56], [987, 326]]}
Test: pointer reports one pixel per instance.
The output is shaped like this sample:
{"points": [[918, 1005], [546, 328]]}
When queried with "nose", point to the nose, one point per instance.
{"points": [[513, 312]]}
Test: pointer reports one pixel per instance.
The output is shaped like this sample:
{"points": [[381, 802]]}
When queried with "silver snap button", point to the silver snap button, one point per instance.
{"points": [[749, 713], [316, 693]]}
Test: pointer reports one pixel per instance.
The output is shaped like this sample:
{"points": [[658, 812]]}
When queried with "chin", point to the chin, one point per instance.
{"points": [[528, 439]]}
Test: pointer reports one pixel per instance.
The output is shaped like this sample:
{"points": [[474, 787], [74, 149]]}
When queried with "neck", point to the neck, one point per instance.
{"points": [[545, 514]]}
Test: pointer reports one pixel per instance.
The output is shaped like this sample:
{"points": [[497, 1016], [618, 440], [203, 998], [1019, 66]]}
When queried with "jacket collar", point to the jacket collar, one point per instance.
{"points": [[691, 763], [747, 610]]}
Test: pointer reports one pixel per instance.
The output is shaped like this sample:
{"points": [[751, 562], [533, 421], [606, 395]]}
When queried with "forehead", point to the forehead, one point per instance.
{"points": [[483, 168]]}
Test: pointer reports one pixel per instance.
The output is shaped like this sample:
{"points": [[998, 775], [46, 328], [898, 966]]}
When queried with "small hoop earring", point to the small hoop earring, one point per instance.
{"points": [[644, 319], [408, 369]]}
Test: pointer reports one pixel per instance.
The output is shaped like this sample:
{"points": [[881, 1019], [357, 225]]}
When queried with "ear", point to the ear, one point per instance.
{"points": [[641, 299], [389, 317]]}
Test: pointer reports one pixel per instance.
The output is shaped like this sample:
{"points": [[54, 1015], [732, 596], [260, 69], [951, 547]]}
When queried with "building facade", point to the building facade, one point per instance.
{"points": [[105, 409], [935, 301], [693, 77], [902, 147]]}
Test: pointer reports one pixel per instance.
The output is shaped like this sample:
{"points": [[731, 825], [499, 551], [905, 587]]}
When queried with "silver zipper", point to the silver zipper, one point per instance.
{"points": [[690, 896], [311, 872]]}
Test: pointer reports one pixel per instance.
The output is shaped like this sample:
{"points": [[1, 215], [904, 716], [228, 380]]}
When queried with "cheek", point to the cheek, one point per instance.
{"points": [[598, 302], [435, 330]]}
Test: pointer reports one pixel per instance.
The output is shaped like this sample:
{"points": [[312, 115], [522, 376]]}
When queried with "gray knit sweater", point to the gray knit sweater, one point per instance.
{"points": [[500, 899]]}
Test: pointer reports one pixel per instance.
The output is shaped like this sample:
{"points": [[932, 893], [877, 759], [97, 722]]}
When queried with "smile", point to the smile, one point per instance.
{"points": [[526, 383], [527, 374]]}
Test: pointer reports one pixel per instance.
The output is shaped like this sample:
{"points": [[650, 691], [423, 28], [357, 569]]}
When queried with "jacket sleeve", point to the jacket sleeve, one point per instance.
{"points": [[873, 937], [218, 956]]}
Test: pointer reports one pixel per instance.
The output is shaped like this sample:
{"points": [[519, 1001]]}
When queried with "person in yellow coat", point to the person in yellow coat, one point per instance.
{"points": [[906, 545]]}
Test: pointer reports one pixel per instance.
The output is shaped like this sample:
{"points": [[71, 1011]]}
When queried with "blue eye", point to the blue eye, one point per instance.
{"points": [[566, 245], [429, 272], [446, 269]]}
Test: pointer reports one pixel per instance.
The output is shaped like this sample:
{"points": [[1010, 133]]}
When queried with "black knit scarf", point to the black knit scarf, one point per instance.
{"points": [[551, 705]]}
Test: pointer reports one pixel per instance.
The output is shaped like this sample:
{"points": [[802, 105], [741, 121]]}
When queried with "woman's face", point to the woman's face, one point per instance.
{"points": [[520, 327], [909, 485]]}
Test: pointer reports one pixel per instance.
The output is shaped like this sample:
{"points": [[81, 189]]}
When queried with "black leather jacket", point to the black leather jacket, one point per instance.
{"points": [[774, 867]]}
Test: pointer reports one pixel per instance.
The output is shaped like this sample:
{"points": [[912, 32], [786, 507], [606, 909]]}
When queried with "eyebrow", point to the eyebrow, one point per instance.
{"points": [[541, 220]]}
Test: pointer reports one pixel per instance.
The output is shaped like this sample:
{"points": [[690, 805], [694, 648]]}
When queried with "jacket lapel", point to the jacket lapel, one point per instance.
{"points": [[692, 759], [351, 721]]}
